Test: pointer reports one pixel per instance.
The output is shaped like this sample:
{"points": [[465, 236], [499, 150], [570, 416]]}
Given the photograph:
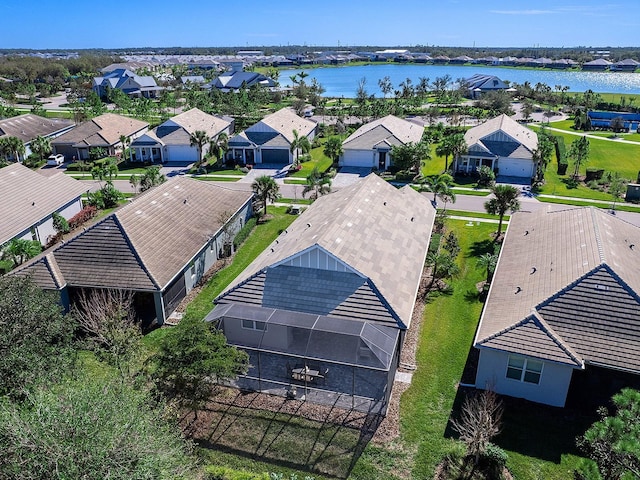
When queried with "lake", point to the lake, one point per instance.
{"points": [[343, 81]]}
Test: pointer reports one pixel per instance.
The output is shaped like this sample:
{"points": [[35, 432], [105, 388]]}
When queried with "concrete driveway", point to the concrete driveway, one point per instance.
{"points": [[261, 169], [348, 176]]}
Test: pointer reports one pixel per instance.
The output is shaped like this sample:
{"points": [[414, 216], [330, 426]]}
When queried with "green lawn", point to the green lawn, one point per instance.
{"points": [[295, 181], [318, 159], [462, 213], [216, 179], [259, 240]]}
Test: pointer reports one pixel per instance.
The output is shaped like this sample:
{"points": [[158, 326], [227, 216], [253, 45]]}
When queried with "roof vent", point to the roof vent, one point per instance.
{"points": [[632, 245], [412, 218], [184, 202], [533, 270], [33, 204], [308, 225], [518, 290], [526, 232], [384, 203], [602, 287]]}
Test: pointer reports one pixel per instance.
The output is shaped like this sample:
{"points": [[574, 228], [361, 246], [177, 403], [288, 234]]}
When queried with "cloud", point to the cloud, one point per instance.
{"points": [[522, 12]]}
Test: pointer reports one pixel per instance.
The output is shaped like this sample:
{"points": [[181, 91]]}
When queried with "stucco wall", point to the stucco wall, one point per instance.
{"points": [[552, 389]]}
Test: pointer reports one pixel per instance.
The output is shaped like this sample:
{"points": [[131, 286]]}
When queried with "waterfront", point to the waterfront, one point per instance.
{"points": [[343, 81]]}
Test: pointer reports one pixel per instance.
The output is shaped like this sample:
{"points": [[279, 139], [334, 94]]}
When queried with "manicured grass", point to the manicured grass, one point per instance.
{"points": [[624, 207], [474, 192], [230, 171], [449, 324], [461, 213], [300, 201], [318, 159], [259, 240], [295, 181]]}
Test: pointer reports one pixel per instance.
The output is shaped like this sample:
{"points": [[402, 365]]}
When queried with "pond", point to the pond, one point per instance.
{"points": [[343, 81]]}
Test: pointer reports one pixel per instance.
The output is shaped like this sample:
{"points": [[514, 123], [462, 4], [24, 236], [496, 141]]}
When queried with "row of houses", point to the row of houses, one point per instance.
{"points": [[560, 321]]}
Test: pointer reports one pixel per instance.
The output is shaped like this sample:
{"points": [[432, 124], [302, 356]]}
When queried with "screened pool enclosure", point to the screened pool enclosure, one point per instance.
{"points": [[324, 359]]}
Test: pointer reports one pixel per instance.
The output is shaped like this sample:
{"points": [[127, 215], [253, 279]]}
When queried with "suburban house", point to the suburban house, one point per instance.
{"points": [[235, 80], [323, 311], [478, 84], [562, 319], [626, 65], [129, 82], [502, 144], [599, 119], [29, 126], [171, 141], [370, 145], [103, 132], [599, 64], [158, 246], [269, 140], [30, 199]]}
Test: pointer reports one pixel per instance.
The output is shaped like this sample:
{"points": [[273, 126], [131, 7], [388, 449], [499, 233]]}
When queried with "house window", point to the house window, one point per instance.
{"points": [[193, 269], [524, 369], [254, 325]]}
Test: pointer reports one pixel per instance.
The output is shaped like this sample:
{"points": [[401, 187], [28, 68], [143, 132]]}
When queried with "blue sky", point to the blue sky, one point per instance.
{"points": [[41, 24]]}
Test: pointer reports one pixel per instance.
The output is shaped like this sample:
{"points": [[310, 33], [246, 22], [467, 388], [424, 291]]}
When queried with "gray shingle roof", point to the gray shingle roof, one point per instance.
{"points": [[27, 197], [28, 126], [578, 271], [392, 130], [505, 124], [372, 228]]}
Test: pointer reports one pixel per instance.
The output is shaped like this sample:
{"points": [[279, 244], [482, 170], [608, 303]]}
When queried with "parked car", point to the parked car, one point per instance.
{"points": [[55, 160]]}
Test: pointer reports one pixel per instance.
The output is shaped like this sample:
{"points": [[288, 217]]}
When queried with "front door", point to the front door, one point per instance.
{"points": [[382, 161]]}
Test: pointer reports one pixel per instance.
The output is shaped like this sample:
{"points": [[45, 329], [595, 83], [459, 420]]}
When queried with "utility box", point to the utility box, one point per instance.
{"points": [[633, 192]]}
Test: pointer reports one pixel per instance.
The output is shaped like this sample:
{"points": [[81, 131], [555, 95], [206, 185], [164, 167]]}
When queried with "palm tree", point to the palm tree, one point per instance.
{"points": [[318, 183], [488, 263], [299, 143], [199, 139], [41, 146], [16, 148], [134, 180], [333, 149], [219, 146], [266, 189], [150, 178], [453, 145], [125, 141], [436, 184], [19, 250], [447, 196], [505, 199]]}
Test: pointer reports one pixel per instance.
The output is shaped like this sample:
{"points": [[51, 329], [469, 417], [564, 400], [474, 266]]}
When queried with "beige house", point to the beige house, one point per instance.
{"points": [[29, 126], [362, 249], [370, 145], [29, 199], [171, 141], [103, 132], [501, 144], [561, 323]]}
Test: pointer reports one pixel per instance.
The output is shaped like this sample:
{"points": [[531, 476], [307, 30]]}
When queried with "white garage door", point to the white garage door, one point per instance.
{"points": [[358, 158], [515, 168], [182, 153]]}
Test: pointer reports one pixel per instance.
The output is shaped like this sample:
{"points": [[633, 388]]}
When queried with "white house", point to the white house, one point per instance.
{"points": [[29, 200], [171, 141], [502, 144], [561, 323], [269, 140], [370, 145]]}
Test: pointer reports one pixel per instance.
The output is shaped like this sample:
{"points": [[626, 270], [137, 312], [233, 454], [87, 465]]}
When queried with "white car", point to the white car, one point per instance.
{"points": [[55, 160]]}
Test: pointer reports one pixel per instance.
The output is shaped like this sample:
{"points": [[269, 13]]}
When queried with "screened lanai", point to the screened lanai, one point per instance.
{"points": [[324, 359]]}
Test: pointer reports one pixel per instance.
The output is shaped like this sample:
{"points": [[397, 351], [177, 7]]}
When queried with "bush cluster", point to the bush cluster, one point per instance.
{"points": [[84, 215], [244, 233]]}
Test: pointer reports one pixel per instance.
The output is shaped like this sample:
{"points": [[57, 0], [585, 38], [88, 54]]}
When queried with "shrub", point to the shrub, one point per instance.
{"points": [[487, 177], [79, 166], [244, 232], [60, 223], [84, 215], [405, 176], [561, 155], [594, 174], [215, 472]]}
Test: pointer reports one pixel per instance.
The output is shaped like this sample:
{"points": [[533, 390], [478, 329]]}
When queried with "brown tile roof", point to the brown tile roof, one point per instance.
{"points": [[379, 231], [145, 244], [170, 223], [27, 197], [196, 119], [101, 131], [578, 272], [28, 126]]}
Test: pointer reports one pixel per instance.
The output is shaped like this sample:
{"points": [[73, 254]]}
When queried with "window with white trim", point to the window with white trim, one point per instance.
{"points": [[524, 369], [254, 325]]}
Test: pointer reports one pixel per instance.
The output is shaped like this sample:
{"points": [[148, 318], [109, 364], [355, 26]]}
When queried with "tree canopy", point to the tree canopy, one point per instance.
{"points": [[505, 198]]}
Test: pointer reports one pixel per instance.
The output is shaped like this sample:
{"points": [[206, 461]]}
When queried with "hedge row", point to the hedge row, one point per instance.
{"points": [[244, 232]]}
